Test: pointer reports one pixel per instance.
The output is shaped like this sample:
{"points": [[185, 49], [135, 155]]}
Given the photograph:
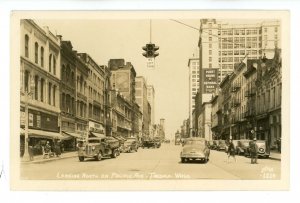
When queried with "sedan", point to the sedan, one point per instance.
{"points": [[195, 149]]}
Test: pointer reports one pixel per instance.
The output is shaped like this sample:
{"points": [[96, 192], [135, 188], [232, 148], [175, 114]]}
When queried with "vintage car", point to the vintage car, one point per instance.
{"points": [[148, 143], [242, 146], [215, 144], [177, 141], [157, 142], [130, 145], [221, 145], [263, 150], [98, 148], [195, 149], [122, 141]]}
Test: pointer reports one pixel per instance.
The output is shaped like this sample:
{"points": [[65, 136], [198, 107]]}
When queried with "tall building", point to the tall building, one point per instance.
{"points": [[40, 83], [224, 44], [95, 86], [123, 81], [194, 75], [151, 100], [142, 101]]}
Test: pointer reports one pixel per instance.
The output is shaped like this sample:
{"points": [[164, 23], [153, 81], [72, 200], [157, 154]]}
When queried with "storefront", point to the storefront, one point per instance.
{"points": [[96, 129]]}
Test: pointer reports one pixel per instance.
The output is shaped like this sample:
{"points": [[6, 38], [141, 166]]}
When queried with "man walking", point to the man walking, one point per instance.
{"points": [[253, 151], [231, 151]]}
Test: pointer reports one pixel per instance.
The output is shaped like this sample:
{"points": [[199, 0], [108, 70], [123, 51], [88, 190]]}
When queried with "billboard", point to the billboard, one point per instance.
{"points": [[210, 79]]}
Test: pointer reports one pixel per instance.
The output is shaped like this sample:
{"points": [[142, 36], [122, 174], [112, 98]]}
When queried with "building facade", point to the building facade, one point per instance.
{"points": [[204, 121], [223, 44], [40, 83], [96, 102], [151, 100]]}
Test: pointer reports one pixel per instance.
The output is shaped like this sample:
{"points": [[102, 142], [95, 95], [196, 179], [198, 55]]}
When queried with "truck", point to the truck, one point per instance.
{"points": [[98, 148]]}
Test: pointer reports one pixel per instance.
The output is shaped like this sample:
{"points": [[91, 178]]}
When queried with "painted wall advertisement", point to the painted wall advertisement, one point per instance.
{"points": [[210, 79]]}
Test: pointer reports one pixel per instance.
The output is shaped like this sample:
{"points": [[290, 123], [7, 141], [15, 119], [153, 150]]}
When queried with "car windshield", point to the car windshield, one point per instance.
{"points": [[195, 142]]}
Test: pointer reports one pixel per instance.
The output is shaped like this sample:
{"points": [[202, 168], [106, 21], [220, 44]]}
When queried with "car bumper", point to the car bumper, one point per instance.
{"points": [[193, 156]]}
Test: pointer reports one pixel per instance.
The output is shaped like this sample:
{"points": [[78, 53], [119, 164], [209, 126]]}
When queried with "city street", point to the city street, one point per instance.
{"points": [[162, 163]]}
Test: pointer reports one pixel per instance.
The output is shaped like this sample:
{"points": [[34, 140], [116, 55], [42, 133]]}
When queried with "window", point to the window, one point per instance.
{"points": [[26, 81], [63, 72], [265, 29], [36, 89], [210, 59], [54, 92], [276, 29], [54, 65], [50, 59], [210, 52], [49, 93], [26, 46], [210, 45], [210, 39], [42, 89], [36, 52], [210, 32], [42, 56], [210, 65]]}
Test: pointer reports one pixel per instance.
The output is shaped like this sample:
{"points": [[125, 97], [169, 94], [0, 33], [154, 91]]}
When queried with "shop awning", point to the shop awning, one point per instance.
{"points": [[98, 135], [45, 134], [76, 135]]}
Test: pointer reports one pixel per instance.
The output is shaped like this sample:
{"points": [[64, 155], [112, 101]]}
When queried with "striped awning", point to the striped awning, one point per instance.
{"points": [[98, 135], [44, 134], [72, 134]]}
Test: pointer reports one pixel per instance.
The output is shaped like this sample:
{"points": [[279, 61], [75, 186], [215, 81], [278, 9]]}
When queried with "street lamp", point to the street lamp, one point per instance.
{"points": [[27, 94]]}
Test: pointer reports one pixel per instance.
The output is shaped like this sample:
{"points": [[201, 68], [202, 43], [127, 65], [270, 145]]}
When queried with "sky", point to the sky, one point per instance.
{"points": [[109, 39]]}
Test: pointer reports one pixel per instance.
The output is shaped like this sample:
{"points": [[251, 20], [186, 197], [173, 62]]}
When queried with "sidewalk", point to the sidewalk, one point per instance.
{"points": [[275, 155], [40, 158]]}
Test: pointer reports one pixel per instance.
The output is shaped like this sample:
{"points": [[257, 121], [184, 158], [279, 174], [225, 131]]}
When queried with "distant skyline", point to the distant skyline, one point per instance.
{"points": [[110, 39]]}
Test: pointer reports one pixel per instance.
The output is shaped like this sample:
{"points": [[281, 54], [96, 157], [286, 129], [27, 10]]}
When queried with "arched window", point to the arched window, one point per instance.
{"points": [[54, 94], [26, 46], [72, 78], [42, 56], [36, 53], [26, 80], [50, 58], [42, 89], [36, 87], [49, 93], [68, 72], [54, 65]]}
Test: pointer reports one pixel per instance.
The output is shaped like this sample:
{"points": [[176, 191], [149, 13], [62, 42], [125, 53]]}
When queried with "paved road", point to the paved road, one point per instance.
{"points": [[162, 163]]}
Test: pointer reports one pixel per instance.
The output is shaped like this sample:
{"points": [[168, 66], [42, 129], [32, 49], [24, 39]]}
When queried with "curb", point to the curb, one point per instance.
{"points": [[273, 158], [48, 160]]}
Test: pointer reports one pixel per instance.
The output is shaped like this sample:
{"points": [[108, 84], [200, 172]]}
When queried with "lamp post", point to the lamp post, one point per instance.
{"points": [[27, 94]]}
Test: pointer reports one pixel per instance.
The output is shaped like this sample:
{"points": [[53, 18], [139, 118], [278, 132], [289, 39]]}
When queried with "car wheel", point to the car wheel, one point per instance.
{"points": [[81, 158], [114, 154], [99, 156]]}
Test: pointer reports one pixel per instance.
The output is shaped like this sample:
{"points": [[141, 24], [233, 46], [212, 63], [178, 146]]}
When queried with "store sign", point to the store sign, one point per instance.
{"points": [[210, 80], [22, 121], [38, 121], [151, 63], [96, 127], [30, 120]]}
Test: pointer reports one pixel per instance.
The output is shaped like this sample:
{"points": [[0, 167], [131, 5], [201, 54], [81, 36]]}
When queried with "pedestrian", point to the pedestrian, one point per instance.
{"points": [[231, 151], [253, 151], [278, 142], [57, 148]]}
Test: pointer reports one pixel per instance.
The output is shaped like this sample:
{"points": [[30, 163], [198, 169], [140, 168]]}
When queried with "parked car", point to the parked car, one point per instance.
{"points": [[148, 143], [221, 145], [157, 142], [98, 148], [177, 141], [195, 149], [242, 146], [130, 145], [215, 144], [263, 149], [167, 141]]}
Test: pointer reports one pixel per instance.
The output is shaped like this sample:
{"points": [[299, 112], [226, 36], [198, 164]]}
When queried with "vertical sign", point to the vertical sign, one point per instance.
{"points": [[30, 120], [151, 63], [22, 118], [38, 121], [210, 79]]}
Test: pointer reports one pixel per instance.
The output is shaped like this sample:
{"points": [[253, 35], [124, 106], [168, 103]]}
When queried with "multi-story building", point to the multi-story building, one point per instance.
{"points": [[68, 93], [250, 95], [123, 80], [82, 94], [204, 121], [151, 100], [216, 115], [238, 101], [142, 101], [121, 115], [268, 99], [40, 83], [194, 76], [224, 44], [96, 105]]}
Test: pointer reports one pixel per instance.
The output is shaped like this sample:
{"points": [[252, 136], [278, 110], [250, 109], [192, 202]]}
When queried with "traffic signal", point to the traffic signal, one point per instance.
{"points": [[150, 50]]}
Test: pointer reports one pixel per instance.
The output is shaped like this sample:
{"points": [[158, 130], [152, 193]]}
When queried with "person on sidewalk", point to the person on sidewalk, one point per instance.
{"points": [[57, 148], [253, 151], [231, 151]]}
